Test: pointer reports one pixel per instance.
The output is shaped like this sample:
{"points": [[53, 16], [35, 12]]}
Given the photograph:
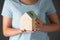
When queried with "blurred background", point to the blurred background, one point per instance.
{"points": [[53, 36]]}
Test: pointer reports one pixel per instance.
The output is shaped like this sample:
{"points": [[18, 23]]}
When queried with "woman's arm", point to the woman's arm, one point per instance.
{"points": [[53, 26], [7, 30]]}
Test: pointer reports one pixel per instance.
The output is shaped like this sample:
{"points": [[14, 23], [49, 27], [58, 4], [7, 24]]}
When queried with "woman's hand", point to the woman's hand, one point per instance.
{"points": [[39, 24], [22, 31]]}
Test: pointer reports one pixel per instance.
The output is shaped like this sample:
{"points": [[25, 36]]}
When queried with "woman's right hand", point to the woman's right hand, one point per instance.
{"points": [[22, 31], [30, 31]]}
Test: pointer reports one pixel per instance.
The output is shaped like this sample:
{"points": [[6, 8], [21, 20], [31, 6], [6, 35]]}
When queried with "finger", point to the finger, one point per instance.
{"points": [[37, 24], [29, 31], [38, 21], [23, 30], [34, 30]]}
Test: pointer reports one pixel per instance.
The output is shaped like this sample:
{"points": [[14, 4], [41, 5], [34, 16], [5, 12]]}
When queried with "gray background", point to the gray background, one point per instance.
{"points": [[53, 36]]}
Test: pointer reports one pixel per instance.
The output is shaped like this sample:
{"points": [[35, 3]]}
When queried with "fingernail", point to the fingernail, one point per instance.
{"points": [[32, 30]]}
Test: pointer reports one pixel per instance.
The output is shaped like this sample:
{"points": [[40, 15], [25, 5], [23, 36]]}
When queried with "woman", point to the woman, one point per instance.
{"points": [[14, 9]]}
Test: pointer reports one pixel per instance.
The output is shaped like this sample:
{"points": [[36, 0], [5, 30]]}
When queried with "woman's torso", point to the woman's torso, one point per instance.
{"points": [[18, 9]]}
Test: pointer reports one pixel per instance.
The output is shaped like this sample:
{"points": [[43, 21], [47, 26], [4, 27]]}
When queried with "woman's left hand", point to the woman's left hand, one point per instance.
{"points": [[39, 24]]}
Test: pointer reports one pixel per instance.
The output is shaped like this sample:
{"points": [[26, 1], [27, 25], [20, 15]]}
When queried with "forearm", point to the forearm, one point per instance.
{"points": [[11, 32], [50, 27]]}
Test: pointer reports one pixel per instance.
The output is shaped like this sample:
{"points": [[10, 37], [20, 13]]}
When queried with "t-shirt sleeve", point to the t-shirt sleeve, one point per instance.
{"points": [[6, 11], [51, 8]]}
